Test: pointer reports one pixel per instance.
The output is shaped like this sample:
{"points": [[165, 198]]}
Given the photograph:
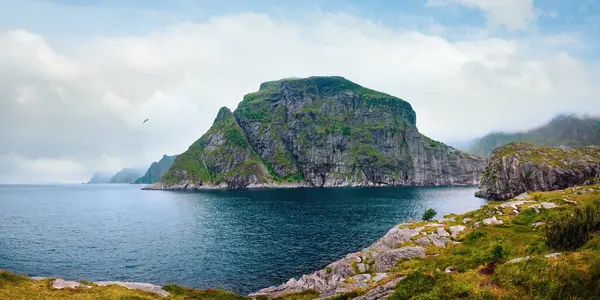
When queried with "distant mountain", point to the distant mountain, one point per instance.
{"points": [[100, 177], [157, 170], [568, 131], [128, 175]]}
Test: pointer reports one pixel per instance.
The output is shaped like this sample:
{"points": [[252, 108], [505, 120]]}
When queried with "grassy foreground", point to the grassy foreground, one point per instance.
{"points": [[13, 286], [480, 267]]}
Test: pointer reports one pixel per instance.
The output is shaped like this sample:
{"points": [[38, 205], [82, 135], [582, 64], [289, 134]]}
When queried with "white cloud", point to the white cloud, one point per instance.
{"points": [[513, 14], [86, 105]]}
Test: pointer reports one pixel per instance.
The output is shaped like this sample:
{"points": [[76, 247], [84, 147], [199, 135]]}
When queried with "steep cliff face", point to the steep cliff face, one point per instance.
{"points": [[521, 167], [319, 131], [157, 170]]}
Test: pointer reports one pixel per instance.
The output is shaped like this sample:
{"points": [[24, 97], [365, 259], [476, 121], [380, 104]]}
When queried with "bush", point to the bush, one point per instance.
{"points": [[498, 254], [429, 214], [569, 232], [540, 279]]}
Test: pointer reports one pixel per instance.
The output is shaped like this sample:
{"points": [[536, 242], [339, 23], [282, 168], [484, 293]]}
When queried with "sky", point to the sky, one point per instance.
{"points": [[77, 78]]}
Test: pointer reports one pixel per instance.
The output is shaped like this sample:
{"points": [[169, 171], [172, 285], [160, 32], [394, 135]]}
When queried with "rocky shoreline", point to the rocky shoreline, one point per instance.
{"points": [[372, 268], [190, 186]]}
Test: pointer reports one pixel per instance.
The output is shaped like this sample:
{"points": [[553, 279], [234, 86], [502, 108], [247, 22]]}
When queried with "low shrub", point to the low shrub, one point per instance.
{"points": [[538, 278], [429, 214], [571, 231]]}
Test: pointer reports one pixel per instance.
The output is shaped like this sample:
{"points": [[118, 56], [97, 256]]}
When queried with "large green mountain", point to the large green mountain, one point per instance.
{"points": [[318, 131], [157, 170], [562, 131]]}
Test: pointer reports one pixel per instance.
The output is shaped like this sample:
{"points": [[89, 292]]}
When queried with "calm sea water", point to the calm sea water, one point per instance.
{"points": [[235, 240]]}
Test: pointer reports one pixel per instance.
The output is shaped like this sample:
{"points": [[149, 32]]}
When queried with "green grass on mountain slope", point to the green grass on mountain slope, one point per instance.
{"points": [[564, 130]]}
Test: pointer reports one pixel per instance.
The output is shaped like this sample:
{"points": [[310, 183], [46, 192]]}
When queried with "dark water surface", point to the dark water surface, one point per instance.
{"points": [[235, 240]]}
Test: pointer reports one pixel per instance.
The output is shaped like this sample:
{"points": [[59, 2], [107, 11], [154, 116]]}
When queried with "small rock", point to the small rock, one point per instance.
{"points": [[434, 225], [423, 241], [442, 232], [60, 284], [449, 270], [442, 220], [551, 255], [36, 278], [379, 277], [476, 224], [516, 260], [455, 230], [537, 211], [516, 212], [513, 204], [361, 268], [361, 278], [467, 220], [537, 224], [492, 221], [570, 201], [391, 257], [439, 241]]}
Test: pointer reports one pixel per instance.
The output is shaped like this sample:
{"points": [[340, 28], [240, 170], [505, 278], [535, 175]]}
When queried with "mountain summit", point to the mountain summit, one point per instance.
{"points": [[318, 131]]}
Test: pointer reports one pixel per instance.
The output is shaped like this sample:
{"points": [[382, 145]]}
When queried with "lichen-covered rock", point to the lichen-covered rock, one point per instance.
{"points": [[318, 131], [519, 167], [492, 221], [389, 258]]}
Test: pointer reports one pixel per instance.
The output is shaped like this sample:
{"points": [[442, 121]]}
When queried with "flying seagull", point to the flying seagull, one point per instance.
{"points": [[145, 121]]}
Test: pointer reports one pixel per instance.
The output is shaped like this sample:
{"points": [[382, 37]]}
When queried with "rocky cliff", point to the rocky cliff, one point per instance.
{"points": [[157, 170], [318, 131], [521, 167]]}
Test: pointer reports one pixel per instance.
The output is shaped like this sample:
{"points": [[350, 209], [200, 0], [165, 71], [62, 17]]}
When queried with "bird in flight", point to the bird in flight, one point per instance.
{"points": [[145, 121]]}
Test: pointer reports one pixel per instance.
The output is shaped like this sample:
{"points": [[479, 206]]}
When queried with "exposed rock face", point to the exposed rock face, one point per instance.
{"points": [[318, 131], [157, 170], [519, 167]]}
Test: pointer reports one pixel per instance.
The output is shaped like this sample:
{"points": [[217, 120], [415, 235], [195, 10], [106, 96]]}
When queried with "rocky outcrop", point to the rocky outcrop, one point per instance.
{"points": [[318, 131], [519, 167], [157, 170]]}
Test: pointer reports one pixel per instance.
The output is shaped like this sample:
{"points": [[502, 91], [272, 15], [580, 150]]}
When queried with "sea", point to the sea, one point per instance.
{"points": [[238, 240]]}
